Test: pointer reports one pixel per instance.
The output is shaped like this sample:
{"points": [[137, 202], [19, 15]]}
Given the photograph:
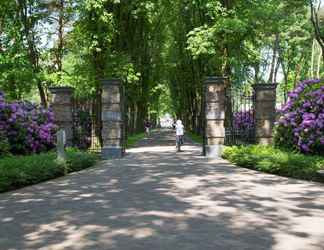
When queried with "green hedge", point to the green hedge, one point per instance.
{"points": [[276, 161], [20, 171], [195, 137]]}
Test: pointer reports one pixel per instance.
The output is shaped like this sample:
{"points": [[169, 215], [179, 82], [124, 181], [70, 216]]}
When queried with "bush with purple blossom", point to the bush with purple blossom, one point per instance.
{"points": [[301, 124], [244, 120], [25, 127]]}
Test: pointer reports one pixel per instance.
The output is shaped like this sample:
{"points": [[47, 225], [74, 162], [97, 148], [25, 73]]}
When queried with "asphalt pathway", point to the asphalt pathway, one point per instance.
{"points": [[157, 199]]}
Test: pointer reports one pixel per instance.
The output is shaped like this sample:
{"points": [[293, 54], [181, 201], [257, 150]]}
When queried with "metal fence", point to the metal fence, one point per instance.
{"points": [[86, 128], [239, 116]]}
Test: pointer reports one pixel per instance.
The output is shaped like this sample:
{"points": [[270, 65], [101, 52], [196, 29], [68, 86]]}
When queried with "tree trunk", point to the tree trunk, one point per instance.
{"points": [[60, 46], [316, 25], [99, 67], [319, 62], [274, 59], [298, 71], [26, 17]]}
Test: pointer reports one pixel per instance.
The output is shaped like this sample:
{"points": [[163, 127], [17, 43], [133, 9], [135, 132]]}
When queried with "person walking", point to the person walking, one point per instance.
{"points": [[179, 134], [147, 126]]}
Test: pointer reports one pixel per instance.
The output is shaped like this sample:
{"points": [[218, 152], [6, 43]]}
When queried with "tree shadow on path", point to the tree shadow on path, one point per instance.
{"points": [[157, 199]]}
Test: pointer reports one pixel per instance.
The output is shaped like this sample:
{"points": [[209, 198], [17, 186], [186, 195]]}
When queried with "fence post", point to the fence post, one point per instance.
{"points": [[265, 112], [62, 105], [214, 91], [113, 134]]}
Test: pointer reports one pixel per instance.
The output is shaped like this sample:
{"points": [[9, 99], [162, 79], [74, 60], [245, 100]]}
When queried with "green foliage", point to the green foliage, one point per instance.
{"points": [[16, 73], [244, 35], [4, 145], [284, 138], [134, 138], [160, 101], [161, 49], [78, 160], [20, 171], [195, 137], [201, 41], [276, 161]]}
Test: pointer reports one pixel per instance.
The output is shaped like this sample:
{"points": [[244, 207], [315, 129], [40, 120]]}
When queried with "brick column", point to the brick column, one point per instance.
{"points": [[214, 88], [61, 103], [113, 133], [265, 112]]}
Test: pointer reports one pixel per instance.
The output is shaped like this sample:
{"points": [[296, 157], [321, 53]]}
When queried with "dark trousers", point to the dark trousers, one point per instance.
{"points": [[179, 141]]}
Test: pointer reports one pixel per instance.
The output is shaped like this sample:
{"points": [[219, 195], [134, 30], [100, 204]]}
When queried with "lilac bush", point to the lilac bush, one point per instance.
{"points": [[301, 124], [243, 120], [26, 127]]}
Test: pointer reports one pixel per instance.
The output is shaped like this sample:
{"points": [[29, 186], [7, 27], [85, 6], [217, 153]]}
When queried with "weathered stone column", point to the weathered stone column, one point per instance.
{"points": [[214, 88], [265, 112], [61, 103], [113, 133]]}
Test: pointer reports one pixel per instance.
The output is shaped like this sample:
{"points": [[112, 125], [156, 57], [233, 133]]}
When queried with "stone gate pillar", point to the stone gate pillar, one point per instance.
{"points": [[113, 133], [265, 112], [214, 88], [61, 104]]}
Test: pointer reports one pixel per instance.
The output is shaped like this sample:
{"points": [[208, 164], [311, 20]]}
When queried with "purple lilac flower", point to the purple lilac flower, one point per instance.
{"points": [[28, 128], [303, 115], [243, 120]]}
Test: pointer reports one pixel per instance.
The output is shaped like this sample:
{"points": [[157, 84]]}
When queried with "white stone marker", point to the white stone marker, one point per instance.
{"points": [[61, 141]]}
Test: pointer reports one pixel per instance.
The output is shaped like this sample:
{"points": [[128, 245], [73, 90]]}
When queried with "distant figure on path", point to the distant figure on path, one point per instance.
{"points": [[147, 126], [173, 125], [179, 134]]}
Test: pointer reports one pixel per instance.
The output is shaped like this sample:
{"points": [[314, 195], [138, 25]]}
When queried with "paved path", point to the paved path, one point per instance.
{"points": [[155, 199]]}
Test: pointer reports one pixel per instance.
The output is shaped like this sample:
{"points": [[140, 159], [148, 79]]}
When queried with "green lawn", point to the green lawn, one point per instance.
{"points": [[276, 161], [134, 138], [20, 171], [195, 137]]}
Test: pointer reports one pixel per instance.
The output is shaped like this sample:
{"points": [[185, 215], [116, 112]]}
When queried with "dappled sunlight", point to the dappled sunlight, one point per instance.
{"points": [[156, 198], [76, 237], [161, 149], [255, 205]]}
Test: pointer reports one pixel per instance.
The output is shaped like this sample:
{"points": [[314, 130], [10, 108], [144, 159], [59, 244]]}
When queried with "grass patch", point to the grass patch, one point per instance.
{"points": [[20, 171], [134, 138], [195, 137], [276, 161]]}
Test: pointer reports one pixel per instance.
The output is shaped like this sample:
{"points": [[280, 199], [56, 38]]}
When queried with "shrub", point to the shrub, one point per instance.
{"points": [[276, 161], [78, 160], [26, 127], [4, 144], [243, 120], [83, 130], [20, 171], [301, 124]]}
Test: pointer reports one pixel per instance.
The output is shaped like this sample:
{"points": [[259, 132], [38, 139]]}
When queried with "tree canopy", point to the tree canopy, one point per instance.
{"points": [[162, 49]]}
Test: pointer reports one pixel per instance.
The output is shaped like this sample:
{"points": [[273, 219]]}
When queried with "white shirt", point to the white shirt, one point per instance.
{"points": [[179, 129]]}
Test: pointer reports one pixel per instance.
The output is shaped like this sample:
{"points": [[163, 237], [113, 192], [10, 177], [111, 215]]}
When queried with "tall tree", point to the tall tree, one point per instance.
{"points": [[30, 14], [315, 7]]}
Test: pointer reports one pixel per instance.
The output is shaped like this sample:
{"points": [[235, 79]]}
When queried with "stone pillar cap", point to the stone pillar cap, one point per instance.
{"points": [[55, 90], [265, 86], [113, 81], [215, 79]]}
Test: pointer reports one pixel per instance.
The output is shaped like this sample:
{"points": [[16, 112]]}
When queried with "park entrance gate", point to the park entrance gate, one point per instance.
{"points": [[235, 116], [101, 132], [239, 116]]}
